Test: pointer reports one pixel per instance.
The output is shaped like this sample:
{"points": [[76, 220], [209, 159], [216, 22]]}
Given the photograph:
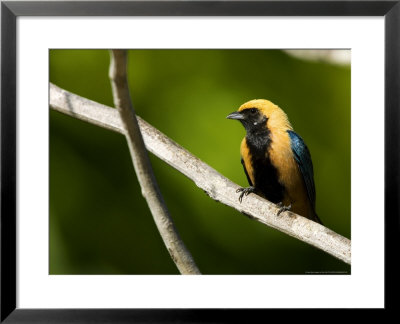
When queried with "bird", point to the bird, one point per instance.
{"points": [[275, 159]]}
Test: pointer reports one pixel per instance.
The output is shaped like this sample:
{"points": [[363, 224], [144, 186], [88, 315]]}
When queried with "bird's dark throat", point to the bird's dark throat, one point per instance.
{"points": [[259, 138], [265, 174]]}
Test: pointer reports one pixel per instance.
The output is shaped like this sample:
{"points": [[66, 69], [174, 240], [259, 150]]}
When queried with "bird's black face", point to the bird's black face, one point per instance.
{"points": [[251, 118]]}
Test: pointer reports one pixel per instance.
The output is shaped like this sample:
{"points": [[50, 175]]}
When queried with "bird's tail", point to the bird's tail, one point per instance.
{"points": [[316, 218]]}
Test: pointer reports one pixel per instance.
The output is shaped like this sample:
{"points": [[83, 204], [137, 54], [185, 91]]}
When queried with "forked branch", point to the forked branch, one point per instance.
{"points": [[205, 177], [141, 162]]}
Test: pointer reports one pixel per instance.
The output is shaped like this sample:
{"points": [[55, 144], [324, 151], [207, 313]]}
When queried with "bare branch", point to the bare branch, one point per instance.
{"points": [[150, 190], [213, 183]]}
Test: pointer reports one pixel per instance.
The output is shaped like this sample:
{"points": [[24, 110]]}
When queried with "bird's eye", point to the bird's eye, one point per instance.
{"points": [[253, 110]]}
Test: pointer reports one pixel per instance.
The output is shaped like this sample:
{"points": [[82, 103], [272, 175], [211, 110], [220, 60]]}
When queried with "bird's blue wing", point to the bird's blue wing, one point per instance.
{"points": [[303, 159]]}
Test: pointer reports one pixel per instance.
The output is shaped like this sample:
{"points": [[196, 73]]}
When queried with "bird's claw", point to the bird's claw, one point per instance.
{"points": [[283, 208], [244, 192]]}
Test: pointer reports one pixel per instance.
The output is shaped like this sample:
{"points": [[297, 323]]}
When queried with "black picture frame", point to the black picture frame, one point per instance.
{"points": [[390, 10]]}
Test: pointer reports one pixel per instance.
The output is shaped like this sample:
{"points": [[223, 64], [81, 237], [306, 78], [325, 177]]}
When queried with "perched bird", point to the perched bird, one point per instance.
{"points": [[275, 159]]}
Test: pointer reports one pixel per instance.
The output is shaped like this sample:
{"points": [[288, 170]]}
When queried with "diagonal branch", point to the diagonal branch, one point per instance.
{"points": [[141, 162], [213, 183]]}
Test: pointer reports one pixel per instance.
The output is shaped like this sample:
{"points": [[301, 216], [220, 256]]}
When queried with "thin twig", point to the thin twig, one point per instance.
{"points": [[141, 162], [213, 183]]}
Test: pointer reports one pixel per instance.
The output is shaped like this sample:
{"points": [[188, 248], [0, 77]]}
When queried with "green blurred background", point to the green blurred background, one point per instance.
{"points": [[100, 223]]}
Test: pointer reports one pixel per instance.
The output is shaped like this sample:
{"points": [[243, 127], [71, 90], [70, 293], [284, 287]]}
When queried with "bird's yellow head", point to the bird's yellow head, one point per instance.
{"points": [[260, 113]]}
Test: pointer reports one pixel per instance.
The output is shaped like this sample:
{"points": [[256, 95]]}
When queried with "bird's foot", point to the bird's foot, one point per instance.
{"points": [[283, 208], [245, 191]]}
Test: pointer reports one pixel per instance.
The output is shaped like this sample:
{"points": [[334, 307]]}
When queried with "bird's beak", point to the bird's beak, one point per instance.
{"points": [[235, 115]]}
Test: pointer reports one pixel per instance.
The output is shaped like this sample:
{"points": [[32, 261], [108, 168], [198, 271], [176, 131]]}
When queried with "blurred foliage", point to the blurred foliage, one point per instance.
{"points": [[100, 223]]}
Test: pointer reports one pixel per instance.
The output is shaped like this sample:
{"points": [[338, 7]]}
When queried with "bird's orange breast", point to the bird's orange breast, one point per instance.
{"points": [[246, 156]]}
